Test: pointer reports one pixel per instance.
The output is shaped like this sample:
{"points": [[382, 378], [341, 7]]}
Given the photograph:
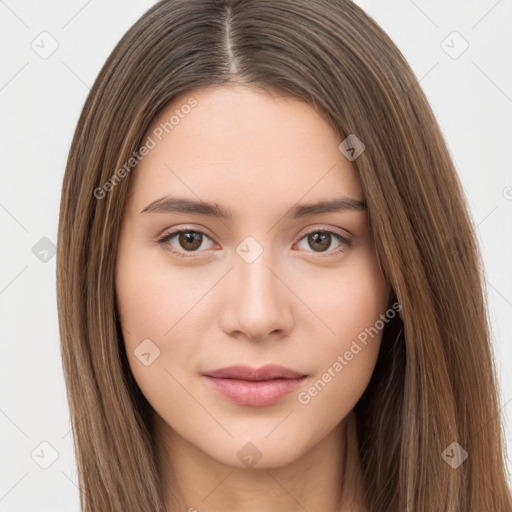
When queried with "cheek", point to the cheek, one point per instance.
{"points": [[353, 307], [163, 304], [147, 311], [141, 305], [150, 314], [149, 297]]}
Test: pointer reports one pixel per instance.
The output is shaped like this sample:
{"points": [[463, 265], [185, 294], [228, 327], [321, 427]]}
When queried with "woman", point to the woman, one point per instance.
{"points": [[268, 282]]}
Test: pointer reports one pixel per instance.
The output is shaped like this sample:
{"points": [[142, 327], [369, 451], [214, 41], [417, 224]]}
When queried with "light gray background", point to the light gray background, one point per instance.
{"points": [[40, 100]]}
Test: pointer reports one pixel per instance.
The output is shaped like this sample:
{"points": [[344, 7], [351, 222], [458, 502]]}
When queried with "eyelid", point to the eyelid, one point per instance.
{"points": [[174, 231], [327, 229], [344, 241], [163, 239]]}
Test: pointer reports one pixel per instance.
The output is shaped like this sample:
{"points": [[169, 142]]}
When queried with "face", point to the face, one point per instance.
{"points": [[220, 264]]}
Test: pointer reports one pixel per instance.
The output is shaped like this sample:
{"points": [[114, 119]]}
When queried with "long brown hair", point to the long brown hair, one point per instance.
{"points": [[434, 383]]}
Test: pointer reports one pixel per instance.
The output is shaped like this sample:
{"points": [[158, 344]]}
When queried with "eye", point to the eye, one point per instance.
{"points": [[320, 240], [189, 240]]}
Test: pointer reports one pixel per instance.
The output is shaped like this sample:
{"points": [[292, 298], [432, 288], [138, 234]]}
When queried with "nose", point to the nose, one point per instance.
{"points": [[258, 303]]}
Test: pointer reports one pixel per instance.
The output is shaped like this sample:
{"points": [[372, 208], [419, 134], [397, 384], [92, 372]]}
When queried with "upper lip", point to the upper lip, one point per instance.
{"points": [[267, 372]]}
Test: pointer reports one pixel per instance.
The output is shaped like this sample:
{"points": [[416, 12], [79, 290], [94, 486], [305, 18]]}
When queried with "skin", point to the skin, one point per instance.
{"points": [[299, 304]]}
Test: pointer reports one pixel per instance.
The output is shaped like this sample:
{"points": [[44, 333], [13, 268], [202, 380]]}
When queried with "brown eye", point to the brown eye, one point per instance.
{"points": [[320, 241], [188, 241]]}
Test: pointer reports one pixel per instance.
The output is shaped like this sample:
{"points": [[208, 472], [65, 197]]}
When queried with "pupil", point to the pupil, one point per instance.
{"points": [[324, 237], [191, 241], [190, 238]]}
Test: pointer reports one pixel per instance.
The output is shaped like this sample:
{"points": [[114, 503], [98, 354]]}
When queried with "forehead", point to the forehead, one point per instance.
{"points": [[242, 147]]}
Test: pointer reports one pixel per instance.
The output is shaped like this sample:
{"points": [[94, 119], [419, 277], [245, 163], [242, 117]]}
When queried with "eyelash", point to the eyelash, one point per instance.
{"points": [[345, 242]]}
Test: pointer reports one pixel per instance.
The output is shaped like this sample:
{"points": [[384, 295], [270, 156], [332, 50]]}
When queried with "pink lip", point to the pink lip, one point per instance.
{"points": [[255, 387]]}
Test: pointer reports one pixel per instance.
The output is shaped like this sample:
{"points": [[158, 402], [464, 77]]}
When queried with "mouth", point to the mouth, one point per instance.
{"points": [[252, 387]]}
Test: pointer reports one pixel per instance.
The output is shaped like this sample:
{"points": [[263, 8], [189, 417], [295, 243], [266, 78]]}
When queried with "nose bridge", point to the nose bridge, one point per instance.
{"points": [[257, 286], [260, 304]]}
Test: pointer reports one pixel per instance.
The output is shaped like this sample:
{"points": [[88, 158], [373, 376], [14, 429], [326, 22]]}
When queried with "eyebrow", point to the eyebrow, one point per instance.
{"points": [[170, 204]]}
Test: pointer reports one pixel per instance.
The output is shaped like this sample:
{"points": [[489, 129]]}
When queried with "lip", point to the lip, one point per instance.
{"points": [[255, 387]]}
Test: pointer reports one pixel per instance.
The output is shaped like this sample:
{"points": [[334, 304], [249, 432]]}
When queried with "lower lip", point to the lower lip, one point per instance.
{"points": [[255, 393]]}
